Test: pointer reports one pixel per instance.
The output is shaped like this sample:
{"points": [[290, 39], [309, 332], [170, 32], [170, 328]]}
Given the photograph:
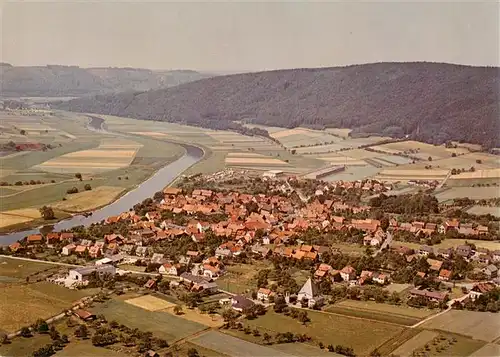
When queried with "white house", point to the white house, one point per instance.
{"points": [[272, 173], [348, 273], [264, 294], [310, 293], [68, 249], [169, 269]]}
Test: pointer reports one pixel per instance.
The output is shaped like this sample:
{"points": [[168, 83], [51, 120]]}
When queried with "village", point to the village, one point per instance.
{"points": [[306, 245]]}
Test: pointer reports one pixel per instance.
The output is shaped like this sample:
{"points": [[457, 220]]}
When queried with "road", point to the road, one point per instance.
{"points": [[449, 305]]}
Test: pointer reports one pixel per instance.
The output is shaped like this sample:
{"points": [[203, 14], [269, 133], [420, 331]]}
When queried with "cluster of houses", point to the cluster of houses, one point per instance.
{"points": [[348, 274], [429, 228]]}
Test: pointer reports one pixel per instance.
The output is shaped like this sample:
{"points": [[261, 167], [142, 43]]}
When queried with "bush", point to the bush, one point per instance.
{"points": [[72, 190], [87, 187]]}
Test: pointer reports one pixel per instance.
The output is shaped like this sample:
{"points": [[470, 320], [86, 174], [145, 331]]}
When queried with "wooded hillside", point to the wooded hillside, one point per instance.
{"points": [[69, 81], [428, 101]]}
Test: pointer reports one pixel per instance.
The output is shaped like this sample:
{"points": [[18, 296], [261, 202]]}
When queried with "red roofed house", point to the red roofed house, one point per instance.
{"points": [[348, 273], [35, 239], [445, 275], [264, 294]]}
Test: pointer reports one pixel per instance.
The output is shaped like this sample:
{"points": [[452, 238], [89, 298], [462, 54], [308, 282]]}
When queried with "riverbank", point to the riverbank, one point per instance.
{"points": [[156, 180]]}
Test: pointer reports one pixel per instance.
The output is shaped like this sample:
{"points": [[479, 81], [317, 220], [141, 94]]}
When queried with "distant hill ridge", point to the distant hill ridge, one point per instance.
{"points": [[68, 81], [431, 102]]}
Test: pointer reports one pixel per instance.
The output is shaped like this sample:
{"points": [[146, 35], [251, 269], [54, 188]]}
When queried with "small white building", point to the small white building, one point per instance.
{"points": [[273, 173], [68, 249]]}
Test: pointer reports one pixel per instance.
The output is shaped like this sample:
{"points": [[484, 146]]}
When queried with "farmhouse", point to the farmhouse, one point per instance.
{"points": [[84, 315], [479, 289], [491, 271], [240, 303], [68, 249], [348, 273], [264, 294], [273, 173], [82, 274], [434, 296]]}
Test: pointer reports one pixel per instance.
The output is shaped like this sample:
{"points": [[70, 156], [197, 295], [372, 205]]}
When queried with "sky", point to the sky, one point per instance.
{"points": [[248, 36]]}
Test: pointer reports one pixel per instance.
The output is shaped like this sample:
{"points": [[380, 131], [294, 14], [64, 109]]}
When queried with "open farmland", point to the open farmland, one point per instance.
{"points": [[393, 175], [382, 312], [449, 243], [480, 210], [89, 200], [361, 334], [239, 278], [18, 269], [9, 218], [419, 150], [488, 350], [161, 324], [39, 300], [110, 155], [110, 164], [474, 193], [232, 346], [482, 326], [488, 176], [415, 342]]}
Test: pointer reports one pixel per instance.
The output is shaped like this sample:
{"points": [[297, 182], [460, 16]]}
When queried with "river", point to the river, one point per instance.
{"points": [[155, 183]]}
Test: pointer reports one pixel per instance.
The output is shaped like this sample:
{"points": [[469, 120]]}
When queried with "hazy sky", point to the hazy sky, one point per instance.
{"points": [[248, 36]]}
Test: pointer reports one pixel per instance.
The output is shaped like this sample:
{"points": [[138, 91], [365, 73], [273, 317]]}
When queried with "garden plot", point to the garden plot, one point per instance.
{"points": [[111, 155], [414, 343], [301, 137], [150, 303]]}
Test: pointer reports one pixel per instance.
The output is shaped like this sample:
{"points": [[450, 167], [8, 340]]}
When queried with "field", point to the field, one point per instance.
{"points": [[480, 210], [150, 303], [233, 346], [482, 326], [161, 324], [438, 343], [39, 300], [85, 348], [18, 269], [115, 163], [381, 312], [450, 243], [88, 200], [474, 193], [111, 154], [415, 342], [239, 278], [9, 218], [361, 334], [488, 350]]}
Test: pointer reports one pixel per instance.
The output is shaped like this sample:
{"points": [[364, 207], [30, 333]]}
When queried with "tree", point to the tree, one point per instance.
{"points": [[158, 196], [42, 326], [81, 331], [72, 190], [177, 310], [54, 334], [429, 158], [47, 213], [303, 317], [193, 352], [64, 338], [266, 337], [229, 315], [78, 176], [25, 332], [479, 161], [279, 304], [453, 154], [22, 132], [384, 223], [87, 187]]}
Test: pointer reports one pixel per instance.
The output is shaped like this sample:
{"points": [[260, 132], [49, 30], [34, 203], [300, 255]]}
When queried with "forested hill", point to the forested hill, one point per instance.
{"points": [[69, 81], [428, 101]]}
